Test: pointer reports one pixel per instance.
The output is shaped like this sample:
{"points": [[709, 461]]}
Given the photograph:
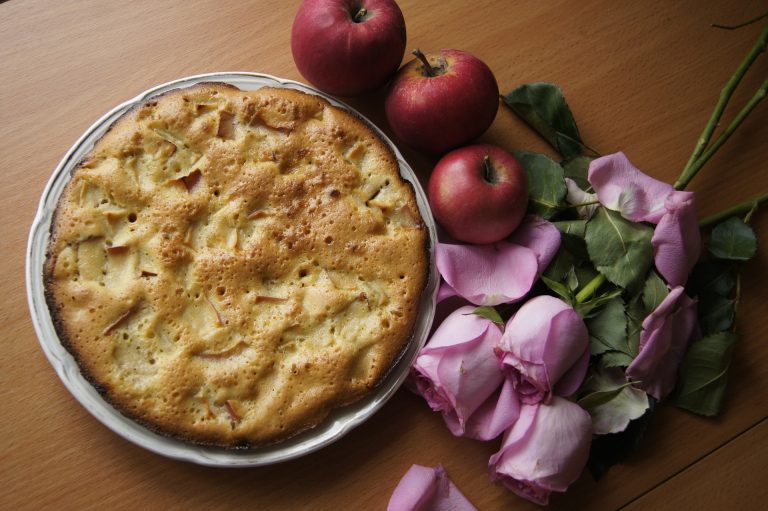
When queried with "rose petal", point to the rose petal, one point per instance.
{"points": [[457, 371], [540, 236], [544, 451], [488, 274], [445, 292], [578, 196], [498, 413], [677, 239], [666, 333], [622, 187], [427, 489]]}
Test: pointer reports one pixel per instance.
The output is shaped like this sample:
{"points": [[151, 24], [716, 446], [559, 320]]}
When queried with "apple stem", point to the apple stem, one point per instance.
{"points": [[360, 14], [423, 58], [489, 173]]}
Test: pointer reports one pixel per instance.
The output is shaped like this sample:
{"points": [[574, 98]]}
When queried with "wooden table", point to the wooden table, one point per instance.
{"points": [[641, 77]]}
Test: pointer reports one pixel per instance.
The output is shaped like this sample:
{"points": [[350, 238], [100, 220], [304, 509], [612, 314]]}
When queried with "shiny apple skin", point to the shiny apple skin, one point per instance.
{"points": [[343, 57], [438, 113], [470, 208]]}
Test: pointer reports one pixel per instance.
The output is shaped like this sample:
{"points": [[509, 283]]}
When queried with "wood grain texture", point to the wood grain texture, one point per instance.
{"points": [[641, 77]]}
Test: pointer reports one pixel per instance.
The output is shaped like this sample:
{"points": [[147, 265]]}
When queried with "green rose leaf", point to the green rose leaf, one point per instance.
{"points": [[635, 313], [546, 184], [733, 240], [575, 228], [704, 374], [608, 328], [488, 312], [712, 277], [578, 169], [620, 250], [616, 359], [654, 292], [542, 105], [612, 401], [559, 288], [589, 308], [607, 450], [716, 313]]}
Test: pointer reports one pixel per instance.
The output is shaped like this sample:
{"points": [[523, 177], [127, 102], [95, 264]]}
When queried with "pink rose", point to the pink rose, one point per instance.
{"points": [[622, 187], [500, 273], [544, 451], [545, 349], [666, 333], [458, 374], [428, 489]]}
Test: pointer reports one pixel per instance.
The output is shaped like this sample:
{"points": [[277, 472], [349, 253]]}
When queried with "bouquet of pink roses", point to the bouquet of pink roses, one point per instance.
{"points": [[562, 338]]}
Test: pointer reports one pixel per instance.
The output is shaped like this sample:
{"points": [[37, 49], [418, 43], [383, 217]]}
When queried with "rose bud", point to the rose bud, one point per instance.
{"points": [[458, 374], [666, 333], [544, 451], [545, 349]]}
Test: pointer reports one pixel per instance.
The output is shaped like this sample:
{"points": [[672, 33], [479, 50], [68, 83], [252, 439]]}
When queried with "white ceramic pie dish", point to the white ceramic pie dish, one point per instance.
{"points": [[340, 422]]}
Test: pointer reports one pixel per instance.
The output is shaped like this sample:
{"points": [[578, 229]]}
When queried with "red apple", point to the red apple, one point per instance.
{"points": [[438, 102], [478, 193], [348, 47]]}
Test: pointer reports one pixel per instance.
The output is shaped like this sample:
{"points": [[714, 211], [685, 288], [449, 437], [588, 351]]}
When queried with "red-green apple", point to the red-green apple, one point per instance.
{"points": [[478, 193], [441, 101], [348, 47]]}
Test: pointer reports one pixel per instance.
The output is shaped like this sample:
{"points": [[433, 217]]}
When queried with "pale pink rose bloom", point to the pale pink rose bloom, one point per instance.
{"points": [[666, 333], [622, 187], [458, 374], [502, 272], [428, 489], [677, 239], [544, 451], [545, 349]]}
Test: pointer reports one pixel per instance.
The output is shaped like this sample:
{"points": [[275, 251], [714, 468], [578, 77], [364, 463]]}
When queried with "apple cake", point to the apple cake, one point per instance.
{"points": [[227, 267]]}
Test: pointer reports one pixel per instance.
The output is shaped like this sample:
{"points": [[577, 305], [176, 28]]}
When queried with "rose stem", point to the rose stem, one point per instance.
{"points": [[725, 95], [423, 58], [738, 209], [734, 27], [691, 171], [590, 289], [360, 14]]}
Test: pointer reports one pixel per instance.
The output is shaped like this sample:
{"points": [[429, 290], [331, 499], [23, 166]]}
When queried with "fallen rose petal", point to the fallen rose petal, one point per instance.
{"points": [[545, 347], [488, 274], [457, 372], [666, 333], [622, 187], [578, 196], [677, 239], [427, 489], [544, 451], [540, 236]]}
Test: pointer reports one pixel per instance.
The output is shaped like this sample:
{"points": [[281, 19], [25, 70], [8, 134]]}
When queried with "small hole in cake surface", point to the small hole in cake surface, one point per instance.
{"points": [[132, 217]]}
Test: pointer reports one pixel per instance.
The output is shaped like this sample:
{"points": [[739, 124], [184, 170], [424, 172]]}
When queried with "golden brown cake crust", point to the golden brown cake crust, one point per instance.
{"points": [[227, 267]]}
